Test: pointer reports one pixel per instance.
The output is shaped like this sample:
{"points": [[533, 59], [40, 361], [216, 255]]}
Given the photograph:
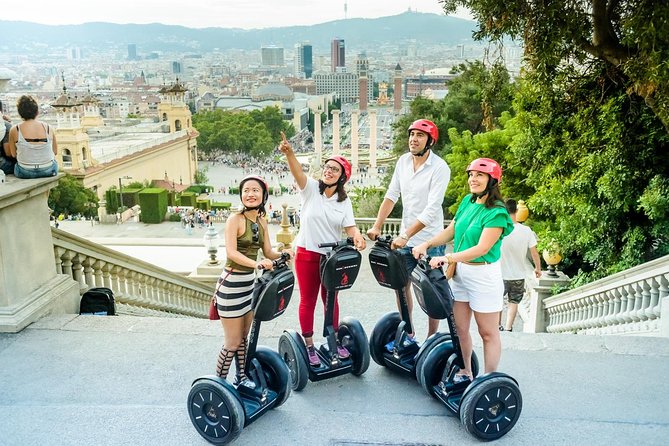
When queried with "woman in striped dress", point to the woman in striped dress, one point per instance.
{"points": [[245, 234]]}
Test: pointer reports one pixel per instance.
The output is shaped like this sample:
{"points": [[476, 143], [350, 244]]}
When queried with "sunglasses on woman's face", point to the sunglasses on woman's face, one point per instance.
{"points": [[254, 229]]}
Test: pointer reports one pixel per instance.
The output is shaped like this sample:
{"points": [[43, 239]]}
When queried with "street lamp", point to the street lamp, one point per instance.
{"points": [[120, 188], [211, 240]]}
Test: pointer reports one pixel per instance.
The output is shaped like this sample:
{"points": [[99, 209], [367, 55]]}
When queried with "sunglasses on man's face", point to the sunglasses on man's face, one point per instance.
{"points": [[254, 229]]}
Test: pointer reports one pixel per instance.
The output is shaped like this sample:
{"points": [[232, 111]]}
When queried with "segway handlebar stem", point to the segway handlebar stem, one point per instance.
{"points": [[343, 242]]}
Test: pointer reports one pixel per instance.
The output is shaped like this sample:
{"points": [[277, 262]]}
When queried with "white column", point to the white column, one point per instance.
{"points": [[318, 139], [354, 140], [335, 132], [372, 140]]}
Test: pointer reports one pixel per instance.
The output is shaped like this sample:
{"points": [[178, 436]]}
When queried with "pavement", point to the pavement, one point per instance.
{"points": [[85, 380]]}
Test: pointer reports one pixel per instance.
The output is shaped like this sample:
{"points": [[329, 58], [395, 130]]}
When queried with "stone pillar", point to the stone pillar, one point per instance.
{"points": [[318, 139], [335, 132], [362, 91], [536, 322], [285, 236], [30, 287], [372, 140], [397, 94], [354, 141]]}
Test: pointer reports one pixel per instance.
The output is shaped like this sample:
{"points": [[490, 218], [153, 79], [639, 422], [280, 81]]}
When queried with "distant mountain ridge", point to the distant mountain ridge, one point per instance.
{"points": [[422, 27]]}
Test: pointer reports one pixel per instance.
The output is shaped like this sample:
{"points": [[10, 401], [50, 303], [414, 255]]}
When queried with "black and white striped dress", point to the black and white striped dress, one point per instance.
{"points": [[234, 293]]}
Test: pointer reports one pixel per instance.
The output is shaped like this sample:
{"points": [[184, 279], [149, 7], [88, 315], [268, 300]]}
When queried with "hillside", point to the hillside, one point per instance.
{"points": [[424, 28]]}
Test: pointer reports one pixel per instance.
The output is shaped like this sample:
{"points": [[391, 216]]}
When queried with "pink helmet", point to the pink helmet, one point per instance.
{"points": [[263, 184], [343, 162], [426, 126], [487, 165]]}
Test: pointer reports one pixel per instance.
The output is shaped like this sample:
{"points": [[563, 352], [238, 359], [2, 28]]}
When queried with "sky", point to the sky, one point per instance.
{"points": [[246, 14]]}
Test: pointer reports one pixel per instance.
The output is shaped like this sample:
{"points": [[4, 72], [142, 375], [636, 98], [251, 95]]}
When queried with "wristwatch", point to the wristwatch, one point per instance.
{"points": [[404, 236]]}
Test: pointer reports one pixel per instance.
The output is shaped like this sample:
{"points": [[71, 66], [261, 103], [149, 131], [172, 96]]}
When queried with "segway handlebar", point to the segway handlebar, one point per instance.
{"points": [[280, 262], [425, 260], [385, 240], [343, 242]]}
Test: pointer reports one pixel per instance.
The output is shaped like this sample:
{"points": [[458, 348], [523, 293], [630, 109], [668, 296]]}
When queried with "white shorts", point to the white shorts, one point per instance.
{"points": [[480, 285]]}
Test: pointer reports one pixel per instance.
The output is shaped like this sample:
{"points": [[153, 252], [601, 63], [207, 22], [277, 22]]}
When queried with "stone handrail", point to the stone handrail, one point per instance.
{"points": [[390, 227], [626, 302], [139, 287]]}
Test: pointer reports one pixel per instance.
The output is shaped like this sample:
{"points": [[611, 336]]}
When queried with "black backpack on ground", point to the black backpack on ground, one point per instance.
{"points": [[98, 301]]}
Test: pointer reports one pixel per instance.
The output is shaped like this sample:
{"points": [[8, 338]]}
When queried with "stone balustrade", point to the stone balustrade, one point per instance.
{"points": [[390, 227], [140, 288], [627, 302]]}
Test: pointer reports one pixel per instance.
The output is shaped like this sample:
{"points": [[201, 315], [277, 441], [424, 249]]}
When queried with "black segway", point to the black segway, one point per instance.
{"points": [[488, 406], [338, 272], [219, 410], [389, 269]]}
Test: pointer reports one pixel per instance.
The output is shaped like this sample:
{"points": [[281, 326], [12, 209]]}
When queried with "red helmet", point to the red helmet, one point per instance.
{"points": [[426, 126], [487, 165], [343, 162], [263, 184]]}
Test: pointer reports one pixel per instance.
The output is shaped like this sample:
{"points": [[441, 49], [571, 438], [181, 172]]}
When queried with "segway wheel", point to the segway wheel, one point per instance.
{"points": [[435, 364], [425, 350], [490, 409], [383, 333], [276, 373], [217, 414], [290, 351], [351, 335]]}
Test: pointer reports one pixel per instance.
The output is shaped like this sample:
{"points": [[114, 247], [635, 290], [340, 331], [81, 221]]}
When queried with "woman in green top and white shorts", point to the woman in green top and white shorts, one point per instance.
{"points": [[477, 230]]}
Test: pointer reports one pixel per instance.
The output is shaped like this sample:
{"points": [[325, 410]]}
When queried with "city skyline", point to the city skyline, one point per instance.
{"points": [[215, 13]]}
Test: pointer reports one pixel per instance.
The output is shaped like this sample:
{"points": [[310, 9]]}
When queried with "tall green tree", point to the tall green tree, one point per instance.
{"points": [[71, 197], [629, 37], [591, 110], [255, 133]]}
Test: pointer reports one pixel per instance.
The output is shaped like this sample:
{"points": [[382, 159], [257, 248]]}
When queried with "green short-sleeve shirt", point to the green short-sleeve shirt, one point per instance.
{"points": [[471, 219]]}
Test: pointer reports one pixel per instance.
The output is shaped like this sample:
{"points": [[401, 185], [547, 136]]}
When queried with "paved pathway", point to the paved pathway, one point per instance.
{"points": [[77, 380]]}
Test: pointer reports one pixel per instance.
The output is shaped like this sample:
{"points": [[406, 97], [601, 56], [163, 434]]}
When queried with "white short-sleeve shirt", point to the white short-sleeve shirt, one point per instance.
{"points": [[515, 265], [422, 193], [322, 219]]}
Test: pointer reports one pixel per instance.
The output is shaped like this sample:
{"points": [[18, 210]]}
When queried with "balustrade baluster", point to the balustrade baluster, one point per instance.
{"points": [[614, 307], [663, 291], [97, 272], [602, 305], [638, 300], [650, 286], [78, 271], [588, 313], [114, 280], [629, 303], [67, 262], [106, 275], [133, 286], [57, 254], [87, 262]]}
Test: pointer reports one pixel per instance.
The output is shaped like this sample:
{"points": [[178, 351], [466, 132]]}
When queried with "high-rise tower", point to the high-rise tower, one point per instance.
{"points": [[397, 94], [304, 63], [362, 68], [338, 55], [132, 51]]}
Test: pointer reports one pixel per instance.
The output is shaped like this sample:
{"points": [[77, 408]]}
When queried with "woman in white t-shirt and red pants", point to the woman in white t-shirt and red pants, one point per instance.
{"points": [[326, 211]]}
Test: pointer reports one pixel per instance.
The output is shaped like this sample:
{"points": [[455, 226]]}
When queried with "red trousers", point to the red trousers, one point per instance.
{"points": [[307, 265]]}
